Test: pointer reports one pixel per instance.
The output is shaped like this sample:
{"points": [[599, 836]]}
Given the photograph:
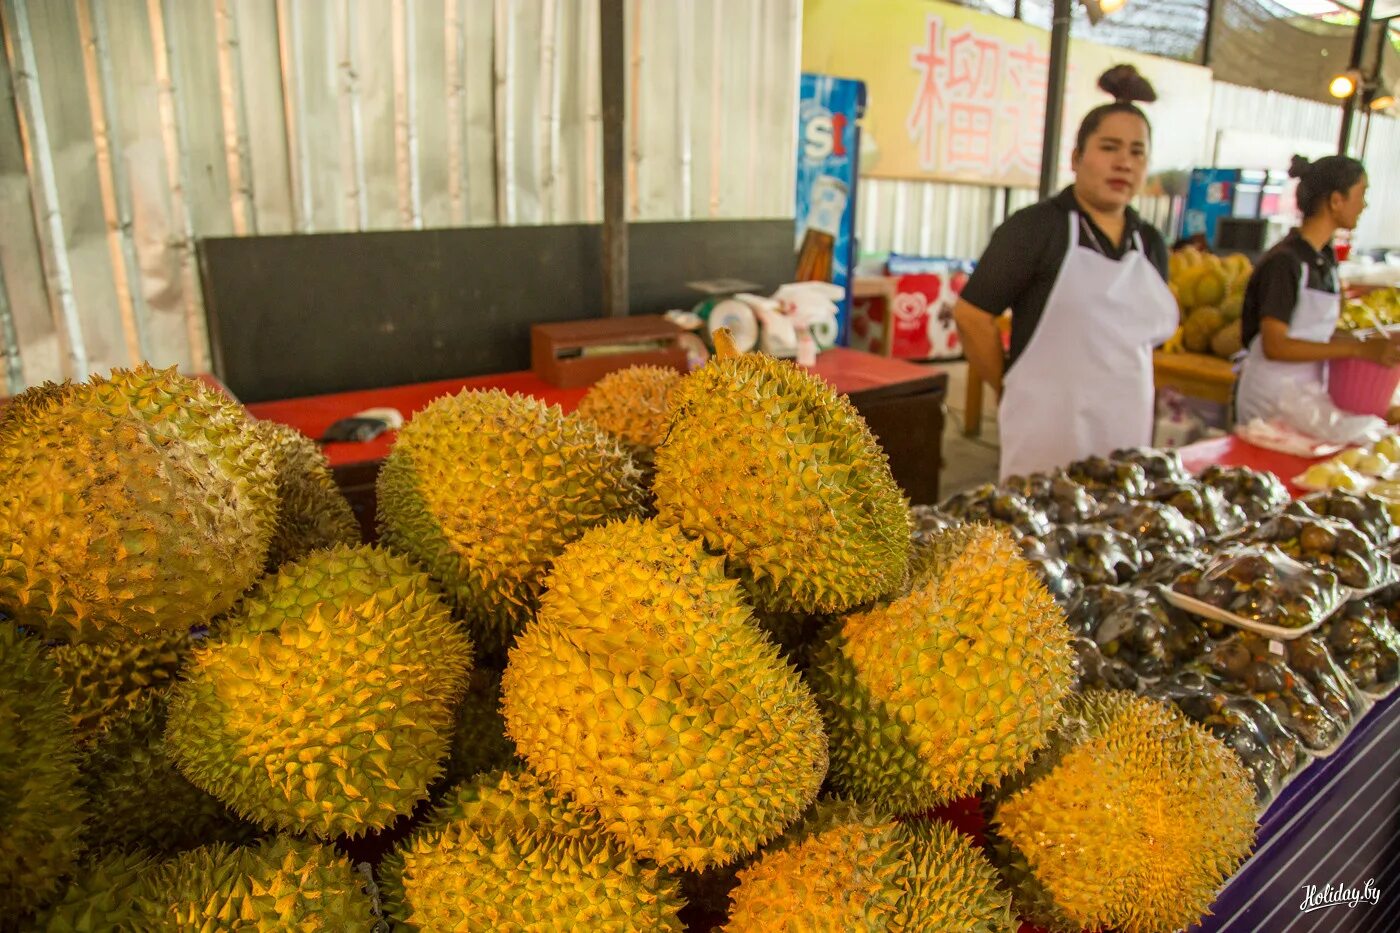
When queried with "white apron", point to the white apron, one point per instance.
{"points": [[1263, 382], [1083, 385]]}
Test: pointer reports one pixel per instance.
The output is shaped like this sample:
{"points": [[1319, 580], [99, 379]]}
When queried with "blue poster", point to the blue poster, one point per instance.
{"points": [[828, 166]]}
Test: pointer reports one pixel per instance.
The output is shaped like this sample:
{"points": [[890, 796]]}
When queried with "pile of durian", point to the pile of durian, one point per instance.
{"points": [[670, 660]]}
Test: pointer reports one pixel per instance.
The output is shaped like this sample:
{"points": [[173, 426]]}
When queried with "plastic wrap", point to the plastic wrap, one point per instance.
{"points": [[1094, 671], [1149, 635], [1153, 524], [1312, 657], [1310, 409], [1363, 640], [1097, 555], [928, 521], [989, 503], [1100, 474], [1062, 582], [1258, 587], [1249, 665], [1207, 507], [1063, 501], [1331, 544], [1368, 513], [1094, 604], [1161, 466], [1259, 495]]}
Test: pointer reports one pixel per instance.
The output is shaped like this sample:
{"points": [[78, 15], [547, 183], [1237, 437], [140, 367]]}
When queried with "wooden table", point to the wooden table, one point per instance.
{"points": [[901, 401], [1198, 375]]}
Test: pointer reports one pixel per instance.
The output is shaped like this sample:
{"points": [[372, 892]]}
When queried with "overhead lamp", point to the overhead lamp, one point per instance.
{"points": [[1378, 100], [1098, 9], [1345, 84]]}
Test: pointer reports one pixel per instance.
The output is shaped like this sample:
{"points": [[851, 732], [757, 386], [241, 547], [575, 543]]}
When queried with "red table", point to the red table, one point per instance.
{"points": [[901, 401], [1232, 451]]}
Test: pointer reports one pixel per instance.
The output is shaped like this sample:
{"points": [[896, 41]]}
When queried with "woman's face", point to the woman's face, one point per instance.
{"points": [[1347, 208], [1110, 170]]}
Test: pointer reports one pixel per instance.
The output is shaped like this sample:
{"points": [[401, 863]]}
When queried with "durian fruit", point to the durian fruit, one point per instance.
{"points": [[645, 692], [41, 806], [1229, 340], [770, 467], [105, 682], [326, 704], [507, 853], [484, 489], [139, 801], [951, 687], [1200, 326], [634, 406], [313, 513], [125, 515], [31, 402], [1131, 820], [479, 741], [102, 896], [846, 868]]}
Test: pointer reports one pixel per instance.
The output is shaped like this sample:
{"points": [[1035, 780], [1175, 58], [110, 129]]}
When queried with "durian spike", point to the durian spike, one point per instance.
{"points": [[724, 344]]}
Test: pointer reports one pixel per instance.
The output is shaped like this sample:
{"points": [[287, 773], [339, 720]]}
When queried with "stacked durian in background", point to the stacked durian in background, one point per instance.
{"points": [[671, 655]]}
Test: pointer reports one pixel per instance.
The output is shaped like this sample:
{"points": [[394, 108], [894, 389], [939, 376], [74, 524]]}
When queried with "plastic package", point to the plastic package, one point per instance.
{"points": [[1168, 563], [1097, 555], [1093, 670], [1364, 642], [988, 503], [1310, 409], [1207, 507], [1368, 513], [1312, 658], [1331, 544], [1259, 495], [1249, 665], [1063, 501], [1062, 582], [928, 521], [1100, 474], [1153, 524], [1266, 748], [1150, 636], [1161, 466], [1260, 588], [1094, 604]]}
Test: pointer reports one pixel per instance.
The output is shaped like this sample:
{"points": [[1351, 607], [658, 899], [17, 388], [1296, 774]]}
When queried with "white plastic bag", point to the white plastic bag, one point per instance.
{"points": [[1312, 412]]}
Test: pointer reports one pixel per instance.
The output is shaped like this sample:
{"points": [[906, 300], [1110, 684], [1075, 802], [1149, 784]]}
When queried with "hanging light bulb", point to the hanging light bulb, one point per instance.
{"points": [[1344, 85], [1098, 9]]}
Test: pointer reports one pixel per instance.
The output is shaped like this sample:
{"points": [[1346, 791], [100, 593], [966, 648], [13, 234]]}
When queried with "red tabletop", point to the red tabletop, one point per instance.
{"points": [[1233, 451], [848, 370]]}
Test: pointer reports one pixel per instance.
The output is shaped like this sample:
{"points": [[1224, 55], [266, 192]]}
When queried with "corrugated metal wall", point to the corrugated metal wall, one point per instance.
{"points": [[138, 126]]}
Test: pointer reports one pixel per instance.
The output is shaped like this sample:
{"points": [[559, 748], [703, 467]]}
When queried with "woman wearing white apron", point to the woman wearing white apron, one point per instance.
{"points": [[1085, 279], [1291, 305]]}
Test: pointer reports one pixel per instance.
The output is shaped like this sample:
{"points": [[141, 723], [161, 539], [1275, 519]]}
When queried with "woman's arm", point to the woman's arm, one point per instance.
{"points": [[1279, 346], [981, 342]]}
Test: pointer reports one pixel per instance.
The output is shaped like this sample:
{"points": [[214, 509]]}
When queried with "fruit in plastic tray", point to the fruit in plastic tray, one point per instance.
{"points": [[1260, 583], [990, 503], [1063, 500], [1363, 461], [1259, 494], [1367, 512], [1332, 475], [1097, 555], [1060, 579], [1101, 473], [1150, 636], [1093, 670], [1245, 664], [1154, 524], [1363, 640], [1207, 507], [1389, 447], [1331, 544]]}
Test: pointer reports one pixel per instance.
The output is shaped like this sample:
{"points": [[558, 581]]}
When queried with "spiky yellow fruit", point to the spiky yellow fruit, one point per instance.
{"points": [[326, 704], [769, 466], [41, 808], [133, 506], [1132, 819], [951, 687], [646, 693], [138, 800], [102, 896], [484, 489], [105, 682], [848, 869], [506, 853], [31, 402], [313, 514], [633, 405]]}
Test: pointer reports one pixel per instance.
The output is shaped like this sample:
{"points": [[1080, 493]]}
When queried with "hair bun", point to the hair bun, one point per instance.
{"points": [[1126, 85], [1298, 166]]}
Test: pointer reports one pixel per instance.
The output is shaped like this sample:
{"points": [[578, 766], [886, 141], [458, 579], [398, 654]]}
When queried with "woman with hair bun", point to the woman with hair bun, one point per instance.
{"points": [[1292, 302], [1085, 279]]}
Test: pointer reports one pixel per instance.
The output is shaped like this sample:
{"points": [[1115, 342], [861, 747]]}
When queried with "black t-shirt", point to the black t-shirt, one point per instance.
{"points": [[1020, 265], [1273, 288]]}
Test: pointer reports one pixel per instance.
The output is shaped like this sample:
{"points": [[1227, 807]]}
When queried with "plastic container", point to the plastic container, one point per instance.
{"points": [[1361, 386], [1251, 588]]}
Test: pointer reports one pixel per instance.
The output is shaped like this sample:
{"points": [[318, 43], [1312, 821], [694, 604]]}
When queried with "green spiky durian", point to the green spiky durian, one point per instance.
{"points": [[1181, 819], [484, 489], [31, 402], [134, 506], [645, 692], [326, 704], [951, 687], [313, 513], [102, 896], [41, 807], [479, 741], [507, 853], [139, 801], [634, 406], [105, 682], [769, 466], [846, 868]]}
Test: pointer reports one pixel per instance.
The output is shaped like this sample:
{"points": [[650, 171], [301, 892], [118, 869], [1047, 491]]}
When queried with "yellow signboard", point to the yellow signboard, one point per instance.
{"points": [[958, 95]]}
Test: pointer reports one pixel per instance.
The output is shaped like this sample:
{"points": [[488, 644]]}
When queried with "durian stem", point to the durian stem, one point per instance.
{"points": [[724, 344]]}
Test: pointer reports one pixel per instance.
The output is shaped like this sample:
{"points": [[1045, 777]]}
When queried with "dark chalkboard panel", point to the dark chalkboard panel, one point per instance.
{"points": [[291, 316]]}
